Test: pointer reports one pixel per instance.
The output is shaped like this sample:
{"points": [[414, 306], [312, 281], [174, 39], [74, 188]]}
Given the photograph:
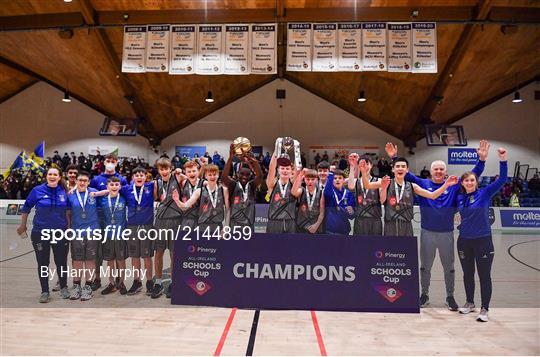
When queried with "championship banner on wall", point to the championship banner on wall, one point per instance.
{"points": [[374, 46], [134, 49], [424, 47], [263, 49], [299, 47], [399, 47], [236, 59], [183, 42], [349, 47], [209, 49], [324, 48], [157, 48], [266, 271]]}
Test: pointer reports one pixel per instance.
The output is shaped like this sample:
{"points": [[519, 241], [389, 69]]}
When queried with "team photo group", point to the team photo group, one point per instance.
{"points": [[106, 218]]}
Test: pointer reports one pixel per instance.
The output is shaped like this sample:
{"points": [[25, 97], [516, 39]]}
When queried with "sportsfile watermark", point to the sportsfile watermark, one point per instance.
{"points": [[142, 233]]}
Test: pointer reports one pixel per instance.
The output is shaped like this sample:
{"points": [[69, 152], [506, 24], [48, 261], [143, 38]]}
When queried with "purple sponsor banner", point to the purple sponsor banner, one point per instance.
{"points": [[299, 272]]}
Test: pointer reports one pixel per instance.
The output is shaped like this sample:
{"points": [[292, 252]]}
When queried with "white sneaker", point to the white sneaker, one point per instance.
{"points": [[75, 292], [467, 308], [483, 316], [86, 293]]}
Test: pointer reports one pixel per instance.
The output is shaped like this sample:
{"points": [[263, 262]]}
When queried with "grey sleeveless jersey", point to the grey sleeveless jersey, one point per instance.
{"points": [[404, 209], [185, 194], [370, 206], [167, 208], [243, 212], [282, 207], [207, 213], [306, 217]]}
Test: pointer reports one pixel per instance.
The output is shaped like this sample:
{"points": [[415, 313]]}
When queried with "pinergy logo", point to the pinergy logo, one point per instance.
{"points": [[379, 254], [191, 248]]}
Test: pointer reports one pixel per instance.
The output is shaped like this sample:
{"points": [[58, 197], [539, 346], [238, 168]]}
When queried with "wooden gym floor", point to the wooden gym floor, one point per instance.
{"points": [[138, 325]]}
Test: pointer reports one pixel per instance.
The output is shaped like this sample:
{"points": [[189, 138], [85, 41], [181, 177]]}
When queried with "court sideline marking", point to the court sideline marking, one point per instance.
{"points": [[320, 341], [221, 342], [516, 259], [253, 333]]}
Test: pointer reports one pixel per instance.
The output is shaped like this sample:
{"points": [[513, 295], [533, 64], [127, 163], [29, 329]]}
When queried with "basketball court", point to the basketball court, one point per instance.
{"points": [[265, 91], [138, 325]]}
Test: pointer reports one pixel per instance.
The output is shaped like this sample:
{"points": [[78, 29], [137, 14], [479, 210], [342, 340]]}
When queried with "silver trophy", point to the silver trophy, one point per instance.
{"points": [[284, 145]]}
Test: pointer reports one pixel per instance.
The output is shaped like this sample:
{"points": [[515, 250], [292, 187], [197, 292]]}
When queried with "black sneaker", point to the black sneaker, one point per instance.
{"points": [[111, 288], [451, 303], [122, 288], [149, 287], [424, 300], [96, 284], [168, 292], [135, 288], [157, 290]]}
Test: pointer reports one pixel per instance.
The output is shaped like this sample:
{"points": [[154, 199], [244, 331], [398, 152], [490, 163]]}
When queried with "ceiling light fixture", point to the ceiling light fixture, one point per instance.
{"points": [[362, 97], [209, 97], [66, 98], [517, 98]]}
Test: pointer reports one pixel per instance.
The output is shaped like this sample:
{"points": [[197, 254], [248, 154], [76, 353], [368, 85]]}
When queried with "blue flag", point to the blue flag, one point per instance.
{"points": [[39, 151]]}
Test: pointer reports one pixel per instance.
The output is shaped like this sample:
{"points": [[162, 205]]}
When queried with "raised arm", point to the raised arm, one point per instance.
{"points": [[255, 167], [495, 186], [365, 181], [225, 176], [297, 188], [227, 211], [186, 205], [383, 191], [450, 181], [353, 171], [483, 150], [271, 178]]}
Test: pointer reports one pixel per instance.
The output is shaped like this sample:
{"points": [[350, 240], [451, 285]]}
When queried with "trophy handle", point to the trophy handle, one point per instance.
{"points": [[277, 150], [297, 157]]}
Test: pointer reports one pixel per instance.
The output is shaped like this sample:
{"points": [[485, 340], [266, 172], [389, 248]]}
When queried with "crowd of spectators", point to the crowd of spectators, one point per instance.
{"points": [[19, 182]]}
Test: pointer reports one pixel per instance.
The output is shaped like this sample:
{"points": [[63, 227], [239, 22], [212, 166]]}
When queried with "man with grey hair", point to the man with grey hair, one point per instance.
{"points": [[437, 222]]}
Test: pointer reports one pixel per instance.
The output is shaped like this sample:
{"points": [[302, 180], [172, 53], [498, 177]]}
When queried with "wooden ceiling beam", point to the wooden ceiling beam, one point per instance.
{"points": [[437, 92], [19, 90], [90, 17], [41, 21], [31, 73], [515, 14], [186, 16]]}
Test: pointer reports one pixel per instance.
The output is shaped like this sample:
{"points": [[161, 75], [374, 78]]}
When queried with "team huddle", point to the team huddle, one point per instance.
{"points": [[199, 199]]}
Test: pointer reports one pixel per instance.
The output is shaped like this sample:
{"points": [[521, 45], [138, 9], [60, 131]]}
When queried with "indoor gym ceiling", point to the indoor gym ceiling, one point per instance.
{"points": [[486, 49]]}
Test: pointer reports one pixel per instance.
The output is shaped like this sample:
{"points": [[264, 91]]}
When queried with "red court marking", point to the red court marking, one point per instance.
{"points": [[318, 333], [221, 342]]}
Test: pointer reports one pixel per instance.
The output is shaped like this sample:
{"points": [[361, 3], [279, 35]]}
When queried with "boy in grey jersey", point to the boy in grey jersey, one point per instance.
{"points": [[398, 206], [310, 214], [368, 220]]}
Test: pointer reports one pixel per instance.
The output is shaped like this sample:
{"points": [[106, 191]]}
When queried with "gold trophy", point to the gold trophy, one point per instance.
{"points": [[242, 147]]}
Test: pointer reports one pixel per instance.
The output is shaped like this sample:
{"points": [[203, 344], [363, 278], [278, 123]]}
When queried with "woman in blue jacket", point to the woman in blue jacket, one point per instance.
{"points": [[51, 204], [475, 244]]}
